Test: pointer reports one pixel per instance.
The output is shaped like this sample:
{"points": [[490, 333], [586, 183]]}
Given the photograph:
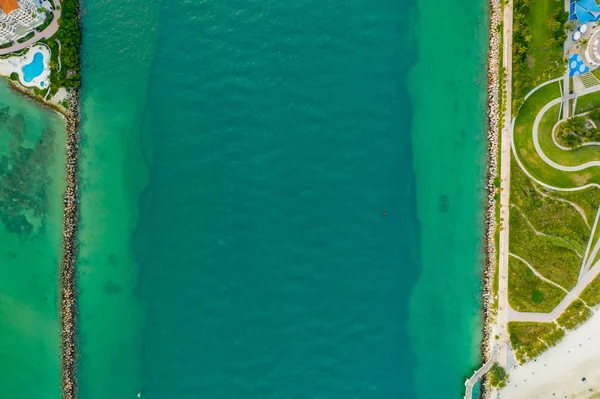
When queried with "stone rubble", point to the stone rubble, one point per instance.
{"points": [[493, 126], [68, 289]]}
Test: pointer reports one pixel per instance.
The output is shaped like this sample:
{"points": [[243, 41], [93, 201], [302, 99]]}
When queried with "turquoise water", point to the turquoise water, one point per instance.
{"points": [[34, 68], [448, 93], [262, 226], [32, 181], [282, 199]]}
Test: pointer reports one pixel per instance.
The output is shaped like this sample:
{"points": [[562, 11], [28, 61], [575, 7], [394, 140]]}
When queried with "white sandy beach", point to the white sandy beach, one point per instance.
{"points": [[558, 372]]}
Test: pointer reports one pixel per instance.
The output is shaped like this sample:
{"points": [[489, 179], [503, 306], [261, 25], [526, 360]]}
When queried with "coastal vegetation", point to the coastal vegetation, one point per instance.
{"points": [[576, 314], [530, 339], [529, 293], [527, 153], [538, 27], [591, 294], [552, 238], [547, 233], [497, 376], [66, 72], [578, 130], [587, 200]]}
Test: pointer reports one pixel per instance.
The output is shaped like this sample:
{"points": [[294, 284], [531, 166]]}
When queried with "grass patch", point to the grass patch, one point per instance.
{"points": [[529, 339], [591, 294], [588, 200], [587, 103], [573, 157], [554, 256], [527, 292], [550, 257], [533, 163], [574, 315], [548, 215]]}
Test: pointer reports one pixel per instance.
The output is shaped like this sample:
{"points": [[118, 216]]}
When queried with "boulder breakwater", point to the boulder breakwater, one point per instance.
{"points": [[68, 290], [67, 275], [493, 133]]}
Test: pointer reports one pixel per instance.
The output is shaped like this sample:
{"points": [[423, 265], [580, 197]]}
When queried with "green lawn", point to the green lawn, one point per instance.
{"points": [[575, 314], [527, 292], [577, 156], [533, 163], [587, 102], [529, 339]]}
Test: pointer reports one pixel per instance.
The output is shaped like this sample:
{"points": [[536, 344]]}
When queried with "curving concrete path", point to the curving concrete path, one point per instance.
{"points": [[574, 205], [540, 114], [587, 273], [536, 141], [538, 274], [587, 144], [573, 295]]}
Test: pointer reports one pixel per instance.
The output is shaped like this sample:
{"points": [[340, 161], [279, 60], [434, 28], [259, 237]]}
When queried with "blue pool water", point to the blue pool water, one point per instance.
{"points": [[34, 68]]}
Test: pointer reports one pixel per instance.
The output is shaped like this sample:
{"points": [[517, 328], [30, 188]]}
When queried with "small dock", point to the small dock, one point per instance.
{"points": [[470, 383]]}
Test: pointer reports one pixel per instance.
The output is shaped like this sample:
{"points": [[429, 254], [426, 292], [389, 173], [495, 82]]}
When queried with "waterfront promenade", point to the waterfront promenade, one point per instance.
{"points": [[470, 383], [505, 154]]}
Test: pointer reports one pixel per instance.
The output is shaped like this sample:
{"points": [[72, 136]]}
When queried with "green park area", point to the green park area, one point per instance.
{"points": [[576, 313], [530, 339], [550, 229], [554, 196], [538, 38]]}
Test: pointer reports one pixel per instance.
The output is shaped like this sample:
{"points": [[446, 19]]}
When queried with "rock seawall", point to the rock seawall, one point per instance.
{"points": [[68, 275], [493, 129], [68, 289]]}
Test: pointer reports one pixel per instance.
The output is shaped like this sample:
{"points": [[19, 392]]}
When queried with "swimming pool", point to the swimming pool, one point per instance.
{"points": [[34, 68]]}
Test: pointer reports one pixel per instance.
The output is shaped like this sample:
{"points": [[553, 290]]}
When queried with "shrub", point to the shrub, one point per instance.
{"points": [[498, 376]]}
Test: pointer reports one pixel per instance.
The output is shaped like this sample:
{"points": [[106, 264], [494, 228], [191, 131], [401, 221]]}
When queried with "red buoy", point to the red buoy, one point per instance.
{"points": [[384, 213]]}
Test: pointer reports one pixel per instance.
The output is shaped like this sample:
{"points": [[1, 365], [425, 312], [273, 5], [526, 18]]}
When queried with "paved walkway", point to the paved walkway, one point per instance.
{"points": [[505, 148], [45, 34], [470, 383], [538, 274], [586, 276], [574, 205], [573, 295], [535, 133]]}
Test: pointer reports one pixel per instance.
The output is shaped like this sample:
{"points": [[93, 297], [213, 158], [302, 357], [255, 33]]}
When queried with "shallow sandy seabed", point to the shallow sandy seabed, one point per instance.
{"points": [[558, 373]]}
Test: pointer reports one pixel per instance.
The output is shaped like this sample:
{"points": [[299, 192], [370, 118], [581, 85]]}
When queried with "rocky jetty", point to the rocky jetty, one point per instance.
{"points": [[68, 289], [493, 130]]}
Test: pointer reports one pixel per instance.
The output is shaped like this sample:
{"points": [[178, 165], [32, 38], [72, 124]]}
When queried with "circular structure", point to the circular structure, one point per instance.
{"points": [[576, 35], [583, 28], [592, 51]]}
